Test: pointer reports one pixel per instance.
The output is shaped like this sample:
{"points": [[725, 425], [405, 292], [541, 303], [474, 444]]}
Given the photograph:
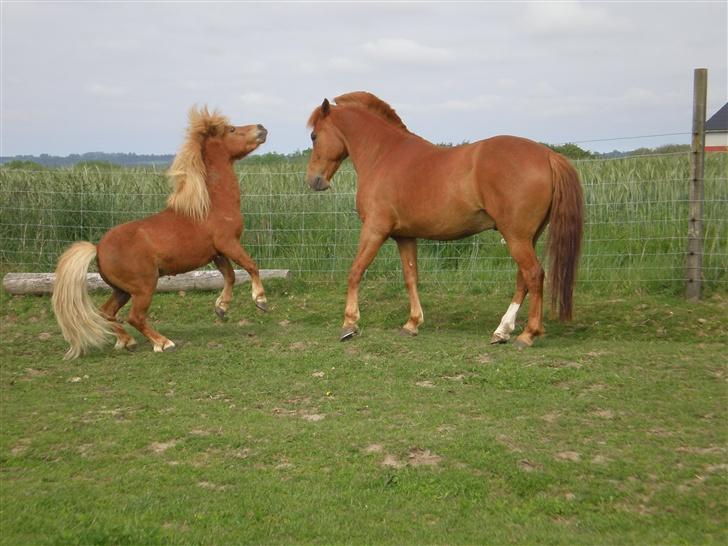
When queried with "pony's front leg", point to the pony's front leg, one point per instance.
{"points": [[408, 254], [238, 254], [228, 274], [370, 241]]}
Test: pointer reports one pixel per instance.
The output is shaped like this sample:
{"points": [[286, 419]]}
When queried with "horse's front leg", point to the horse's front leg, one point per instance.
{"points": [[370, 241], [408, 254], [237, 253]]}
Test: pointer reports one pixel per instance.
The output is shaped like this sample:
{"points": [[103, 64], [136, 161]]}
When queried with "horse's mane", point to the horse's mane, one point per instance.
{"points": [[367, 101], [189, 195]]}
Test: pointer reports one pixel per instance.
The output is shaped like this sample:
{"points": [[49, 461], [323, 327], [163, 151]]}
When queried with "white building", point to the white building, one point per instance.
{"points": [[716, 131]]}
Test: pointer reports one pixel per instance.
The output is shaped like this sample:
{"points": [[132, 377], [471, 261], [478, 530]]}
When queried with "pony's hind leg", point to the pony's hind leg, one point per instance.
{"points": [[109, 309], [408, 254], [228, 274], [140, 302]]}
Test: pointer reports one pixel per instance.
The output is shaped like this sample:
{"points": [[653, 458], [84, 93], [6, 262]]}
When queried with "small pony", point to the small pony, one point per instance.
{"points": [[408, 188], [201, 224]]}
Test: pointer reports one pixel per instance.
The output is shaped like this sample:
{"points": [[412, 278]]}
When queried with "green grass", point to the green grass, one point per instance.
{"points": [[265, 429], [635, 236]]}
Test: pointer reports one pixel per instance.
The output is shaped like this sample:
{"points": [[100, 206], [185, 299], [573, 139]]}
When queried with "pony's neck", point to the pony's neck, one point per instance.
{"points": [[366, 135], [222, 184]]}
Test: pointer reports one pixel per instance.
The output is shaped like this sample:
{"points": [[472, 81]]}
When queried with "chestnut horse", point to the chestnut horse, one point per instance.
{"points": [[201, 224], [409, 188]]}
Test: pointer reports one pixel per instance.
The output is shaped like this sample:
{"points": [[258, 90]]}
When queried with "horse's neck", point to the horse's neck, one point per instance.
{"points": [[222, 184], [367, 136]]}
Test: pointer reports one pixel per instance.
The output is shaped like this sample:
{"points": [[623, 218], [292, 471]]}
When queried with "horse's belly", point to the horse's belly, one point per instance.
{"points": [[447, 228]]}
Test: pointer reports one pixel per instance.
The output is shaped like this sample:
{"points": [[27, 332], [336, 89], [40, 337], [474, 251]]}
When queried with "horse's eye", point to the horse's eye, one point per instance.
{"points": [[232, 129], [313, 137]]}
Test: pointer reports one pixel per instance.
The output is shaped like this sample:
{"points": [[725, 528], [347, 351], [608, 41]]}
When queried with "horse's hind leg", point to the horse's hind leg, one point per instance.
{"points": [[532, 275], [508, 323], [140, 302], [223, 301], [408, 254], [117, 300]]}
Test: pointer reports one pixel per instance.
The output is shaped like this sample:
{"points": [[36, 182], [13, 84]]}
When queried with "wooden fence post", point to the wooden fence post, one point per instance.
{"points": [[697, 164]]}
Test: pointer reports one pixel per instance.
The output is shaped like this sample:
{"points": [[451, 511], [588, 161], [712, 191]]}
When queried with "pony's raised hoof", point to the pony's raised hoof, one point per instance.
{"points": [[262, 305], [220, 312], [348, 332]]}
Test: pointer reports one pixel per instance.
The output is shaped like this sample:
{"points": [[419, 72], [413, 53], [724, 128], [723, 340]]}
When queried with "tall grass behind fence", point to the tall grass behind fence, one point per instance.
{"points": [[635, 233]]}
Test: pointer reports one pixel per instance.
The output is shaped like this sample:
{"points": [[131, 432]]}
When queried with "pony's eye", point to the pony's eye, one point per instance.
{"points": [[313, 137], [231, 130]]}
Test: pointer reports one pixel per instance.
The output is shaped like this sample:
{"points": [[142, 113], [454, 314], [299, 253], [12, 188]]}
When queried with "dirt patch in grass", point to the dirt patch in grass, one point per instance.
{"points": [[20, 447], [212, 486], [571, 456], [307, 414], [415, 457], [160, 447]]}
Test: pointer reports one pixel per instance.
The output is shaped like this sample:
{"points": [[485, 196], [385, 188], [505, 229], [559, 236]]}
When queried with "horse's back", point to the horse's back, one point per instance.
{"points": [[164, 243]]}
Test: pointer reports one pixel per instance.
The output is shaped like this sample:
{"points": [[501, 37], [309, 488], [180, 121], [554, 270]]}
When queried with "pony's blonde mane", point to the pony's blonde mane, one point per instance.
{"points": [[189, 195], [367, 101]]}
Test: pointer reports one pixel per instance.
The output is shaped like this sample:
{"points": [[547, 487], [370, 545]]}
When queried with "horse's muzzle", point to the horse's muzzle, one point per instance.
{"points": [[318, 183], [262, 134]]}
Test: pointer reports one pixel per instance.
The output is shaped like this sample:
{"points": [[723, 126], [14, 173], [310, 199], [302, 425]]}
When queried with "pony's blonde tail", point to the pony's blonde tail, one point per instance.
{"points": [[82, 325]]}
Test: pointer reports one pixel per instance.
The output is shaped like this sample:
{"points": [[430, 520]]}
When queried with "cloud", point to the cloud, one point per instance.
{"points": [[402, 50], [571, 17], [343, 63], [474, 104], [262, 99], [103, 90]]}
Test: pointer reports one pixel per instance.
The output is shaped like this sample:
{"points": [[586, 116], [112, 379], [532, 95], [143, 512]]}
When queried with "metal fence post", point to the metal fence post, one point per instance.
{"points": [[697, 164]]}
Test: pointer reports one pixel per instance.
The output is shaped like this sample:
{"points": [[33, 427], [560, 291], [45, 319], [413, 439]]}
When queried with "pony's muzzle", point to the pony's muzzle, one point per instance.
{"points": [[262, 134], [318, 183]]}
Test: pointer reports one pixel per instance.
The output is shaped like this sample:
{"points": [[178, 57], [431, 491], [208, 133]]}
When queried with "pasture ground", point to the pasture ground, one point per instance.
{"points": [[266, 429]]}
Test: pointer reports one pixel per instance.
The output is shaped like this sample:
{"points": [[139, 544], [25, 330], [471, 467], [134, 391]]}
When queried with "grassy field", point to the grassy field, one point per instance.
{"points": [[635, 236], [265, 429]]}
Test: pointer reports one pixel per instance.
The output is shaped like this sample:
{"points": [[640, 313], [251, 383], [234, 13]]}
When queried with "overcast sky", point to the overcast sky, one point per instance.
{"points": [[121, 76]]}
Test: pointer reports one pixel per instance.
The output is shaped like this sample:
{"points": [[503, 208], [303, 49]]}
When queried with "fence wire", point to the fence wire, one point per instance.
{"points": [[635, 232]]}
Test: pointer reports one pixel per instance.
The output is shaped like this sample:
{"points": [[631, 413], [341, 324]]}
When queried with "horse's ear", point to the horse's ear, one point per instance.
{"points": [[325, 107]]}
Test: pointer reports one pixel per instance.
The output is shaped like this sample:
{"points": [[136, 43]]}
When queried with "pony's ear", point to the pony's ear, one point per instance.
{"points": [[325, 107]]}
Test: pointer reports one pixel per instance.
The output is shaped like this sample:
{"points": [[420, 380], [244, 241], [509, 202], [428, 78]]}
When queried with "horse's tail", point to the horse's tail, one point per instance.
{"points": [[565, 232], [81, 324]]}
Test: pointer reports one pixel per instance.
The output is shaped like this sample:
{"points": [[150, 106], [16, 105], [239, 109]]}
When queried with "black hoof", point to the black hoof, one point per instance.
{"points": [[262, 305], [220, 312]]}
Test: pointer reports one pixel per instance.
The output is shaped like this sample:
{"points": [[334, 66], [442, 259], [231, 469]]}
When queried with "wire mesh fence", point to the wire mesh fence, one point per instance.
{"points": [[635, 234]]}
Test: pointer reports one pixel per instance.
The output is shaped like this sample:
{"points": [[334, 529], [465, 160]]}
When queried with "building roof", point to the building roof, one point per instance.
{"points": [[719, 120]]}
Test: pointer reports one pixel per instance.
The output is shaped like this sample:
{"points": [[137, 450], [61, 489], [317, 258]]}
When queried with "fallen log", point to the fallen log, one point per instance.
{"points": [[42, 283]]}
